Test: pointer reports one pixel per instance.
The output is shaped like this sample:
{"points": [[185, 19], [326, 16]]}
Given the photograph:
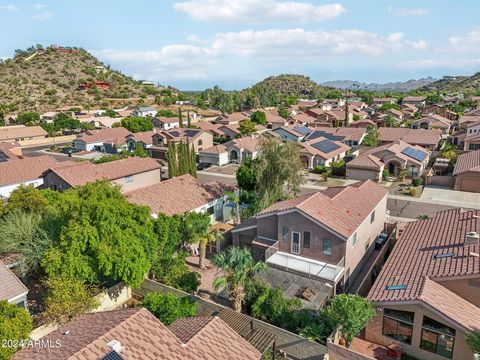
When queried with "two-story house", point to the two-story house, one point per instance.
{"points": [[198, 138], [427, 294], [324, 236]]}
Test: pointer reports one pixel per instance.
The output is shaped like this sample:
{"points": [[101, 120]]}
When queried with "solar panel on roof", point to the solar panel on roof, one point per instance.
{"points": [[396, 287], [326, 146], [301, 129], [112, 355], [3, 157], [191, 133], [175, 133], [414, 154]]}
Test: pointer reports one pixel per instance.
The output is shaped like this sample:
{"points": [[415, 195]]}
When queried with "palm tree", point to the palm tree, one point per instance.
{"points": [[210, 237], [238, 267], [235, 199]]}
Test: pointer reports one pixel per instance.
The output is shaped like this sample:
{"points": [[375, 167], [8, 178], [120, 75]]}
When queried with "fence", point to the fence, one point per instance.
{"points": [[339, 352], [47, 141], [440, 180], [295, 346]]}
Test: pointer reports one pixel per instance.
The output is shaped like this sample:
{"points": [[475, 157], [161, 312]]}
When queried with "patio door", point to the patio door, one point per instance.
{"points": [[295, 242]]}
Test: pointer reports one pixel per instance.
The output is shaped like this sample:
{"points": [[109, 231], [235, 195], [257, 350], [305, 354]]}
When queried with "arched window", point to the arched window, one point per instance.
{"points": [[200, 142]]}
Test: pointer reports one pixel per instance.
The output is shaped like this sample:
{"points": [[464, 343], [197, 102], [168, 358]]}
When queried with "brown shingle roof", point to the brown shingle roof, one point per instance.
{"points": [[115, 135], [342, 209], [469, 161], [178, 195], [414, 259], [20, 131], [142, 337], [81, 173], [411, 136], [30, 168], [11, 286]]}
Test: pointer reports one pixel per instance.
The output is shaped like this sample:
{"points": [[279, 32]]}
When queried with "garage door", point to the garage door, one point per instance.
{"points": [[470, 184]]}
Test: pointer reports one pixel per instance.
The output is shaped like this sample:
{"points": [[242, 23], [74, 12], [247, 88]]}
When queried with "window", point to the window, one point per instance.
{"points": [[210, 210], [354, 239], [200, 142], [372, 217], [295, 242], [327, 247], [437, 338], [285, 233], [129, 179], [306, 239], [398, 325]]}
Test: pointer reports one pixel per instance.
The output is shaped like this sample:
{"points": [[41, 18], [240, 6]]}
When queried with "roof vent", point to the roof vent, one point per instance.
{"points": [[472, 238], [115, 345]]}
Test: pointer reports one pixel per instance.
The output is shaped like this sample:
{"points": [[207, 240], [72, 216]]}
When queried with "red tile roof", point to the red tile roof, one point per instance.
{"points": [[114, 135], [469, 161], [11, 149], [342, 209], [413, 263], [178, 195], [81, 173], [11, 287], [411, 136], [142, 337], [30, 168]]}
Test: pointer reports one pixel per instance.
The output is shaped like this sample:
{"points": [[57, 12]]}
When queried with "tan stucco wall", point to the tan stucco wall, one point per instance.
{"points": [[364, 174], [139, 180], [461, 288], [373, 333], [470, 179], [206, 140]]}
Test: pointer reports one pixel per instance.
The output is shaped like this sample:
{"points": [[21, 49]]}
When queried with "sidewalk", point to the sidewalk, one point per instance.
{"points": [[444, 196]]}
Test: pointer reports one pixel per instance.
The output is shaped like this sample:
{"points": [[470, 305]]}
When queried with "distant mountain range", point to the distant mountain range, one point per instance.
{"points": [[392, 86]]}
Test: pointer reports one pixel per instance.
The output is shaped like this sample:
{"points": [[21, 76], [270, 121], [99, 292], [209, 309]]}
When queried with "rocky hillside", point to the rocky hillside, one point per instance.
{"points": [[41, 79], [404, 86], [453, 84], [291, 85]]}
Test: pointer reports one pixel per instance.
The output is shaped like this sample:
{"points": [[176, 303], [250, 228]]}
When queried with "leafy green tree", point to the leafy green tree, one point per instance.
{"points": [[15, 325], [246, 175], [279, 170], [372, 136], [352, 312], [28, 118], [139, 150], [137, 124], [259, 117], [169, 307], [247, 127], [23, 233], [433, 99], [189, 120], [66, 298], [172, 160], [104, 236], [388, 106], [167, 113], [194, 226], [28, 199], [238, 268], [473, 341], [291, 100], [208, 238], [390, 121], [284, 113], [180, 117], [110, 113]]}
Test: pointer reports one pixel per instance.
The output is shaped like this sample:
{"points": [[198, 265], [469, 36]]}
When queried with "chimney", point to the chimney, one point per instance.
{"points": [[115, 345], [471, 238]]}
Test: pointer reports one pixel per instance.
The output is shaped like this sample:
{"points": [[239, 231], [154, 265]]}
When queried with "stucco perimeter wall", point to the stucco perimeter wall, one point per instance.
{"points": [[47, 141]]}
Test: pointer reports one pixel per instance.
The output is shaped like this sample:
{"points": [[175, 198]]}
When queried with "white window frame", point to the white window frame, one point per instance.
{"points": [[299, 242]]}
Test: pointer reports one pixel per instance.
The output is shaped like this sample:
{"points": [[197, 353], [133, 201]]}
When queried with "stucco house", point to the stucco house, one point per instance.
{"points": [[433, 121], [321, 151], [166, 123], [21, 132], [467, 172], [427, 139], [27, 172], [105, 140], [349, 136], [427, 293], [325, 236], [418, 101], [198, 138], [185, 194], [393, 157], [130, 174], [471, 140], [12, 289], [144, 111], [233, 151], [293, 132]]}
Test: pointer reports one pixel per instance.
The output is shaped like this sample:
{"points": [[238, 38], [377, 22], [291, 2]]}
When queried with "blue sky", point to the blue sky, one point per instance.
{"points": [[194, 44]]}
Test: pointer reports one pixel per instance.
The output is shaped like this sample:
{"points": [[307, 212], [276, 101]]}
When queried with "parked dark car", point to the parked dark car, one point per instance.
{"points": [[70, 150], [203, 166]]}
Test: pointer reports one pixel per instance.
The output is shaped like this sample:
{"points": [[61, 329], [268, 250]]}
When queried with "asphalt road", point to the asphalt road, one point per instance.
{"points": [[397, 207], [35, 151]]}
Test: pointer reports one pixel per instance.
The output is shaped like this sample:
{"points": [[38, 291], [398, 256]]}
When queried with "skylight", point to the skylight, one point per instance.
{"points": [[441, 256], [396, 287]]}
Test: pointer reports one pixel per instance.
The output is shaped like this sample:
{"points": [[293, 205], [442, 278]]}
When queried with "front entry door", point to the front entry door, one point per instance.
{"points": [[295, 243]]}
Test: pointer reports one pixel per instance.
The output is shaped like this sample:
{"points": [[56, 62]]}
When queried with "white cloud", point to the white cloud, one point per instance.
{"points": [[42, 16], [470, 42], [9, 7], [408, 11], [205, 57], [258, 11], [38, 6], [454, 64]]}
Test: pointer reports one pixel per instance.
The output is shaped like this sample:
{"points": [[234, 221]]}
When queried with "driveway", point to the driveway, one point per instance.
{"points": [[447, 196]]}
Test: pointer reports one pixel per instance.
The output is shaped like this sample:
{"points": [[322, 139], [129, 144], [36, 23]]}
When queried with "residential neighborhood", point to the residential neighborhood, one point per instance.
{"points": [[148, 213]]}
